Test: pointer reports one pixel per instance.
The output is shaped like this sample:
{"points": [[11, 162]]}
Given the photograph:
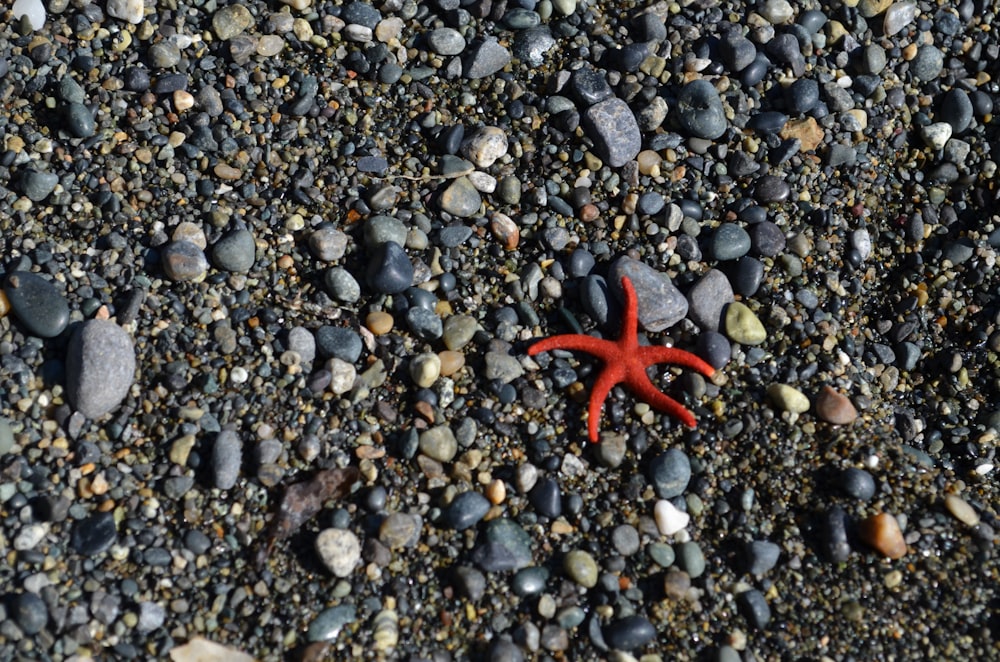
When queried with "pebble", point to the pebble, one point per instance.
{"points": [[425, 324], [714, 348], [834, 407], [669, 520], [338, 342], [446, 41], [729, 242], [328, 243], [380, 229], [669, 473], [484, 59], [37, 186], [34, 10], [461, 198], [94, 535], [742, 326], [581, 567], [30, 613], [754, 608], [100, 367], [485, 146], [546, 498], [502, 367], [439, 443], [529, 581], [425, 369], [857, 483], [234, 252], [761, 556], [466, 510], [341, 285], [898, 16], [788, 398], [339, 550], [506, 546], [927, 64], [661, 304], [882, 533], [400, 530], [835, 541], [614, 130], [36, 302], [699, 110], [6, 436], [936, 135], [771, 189], [184, 261], [131, 11], [629, 633], [329, 622], [961, 510], [389, 269], [227, 456], [690, 559], [625, 539], [470, 582], [802, 96], [231, 21], [342, 376], [766, 239]]}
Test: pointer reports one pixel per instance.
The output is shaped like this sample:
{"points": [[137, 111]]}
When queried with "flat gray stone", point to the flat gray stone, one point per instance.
{"points": [[614, 130], [100, 367], [661, 304]]}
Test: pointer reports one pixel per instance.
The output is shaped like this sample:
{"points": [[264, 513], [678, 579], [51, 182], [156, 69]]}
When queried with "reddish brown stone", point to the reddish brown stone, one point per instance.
{"points": [[834, 407], [882, 533]]}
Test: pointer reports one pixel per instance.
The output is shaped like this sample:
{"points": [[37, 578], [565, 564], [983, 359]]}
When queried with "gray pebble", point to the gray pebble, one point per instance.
{"points": [[529, 581], [461, 198], [164, 54], [466, 510], [424, 323], [484, 59], [445, 41], [761, 556], [100, 367], [6, 436], [183, 261], [802, 95], [766, 239], [30, 613], [857, 483], [235, 251], [690, 559], [338, 342], [737, 51], [227, 456], [927, 64], [729, 242], [389, 269], [71, 91], [151, 616], [754, 608], [956, 110], [629, 633], [329, 622], [341, 285], [669, 473], [771, 188], [36, 302], [329, 244], [37, 186], [302, 341], [714, 348], [625, 539], [707, 298], [502, 367], [873, 59], [700, 111], [470, 582], [835, 542], [661, 304], [505, 546], [614, 130], [377, 230], [79, 120]]}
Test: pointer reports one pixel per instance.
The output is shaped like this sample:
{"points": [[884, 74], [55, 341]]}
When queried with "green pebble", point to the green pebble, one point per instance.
{"points": [[742, 326], [458, 331], [6, 436], [788, 398], [581, 568], [691, 559]]}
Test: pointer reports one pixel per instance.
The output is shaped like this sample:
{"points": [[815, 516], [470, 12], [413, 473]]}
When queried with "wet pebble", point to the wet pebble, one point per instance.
{"points": [[80, 120], [766, 239], [690, 559], [505, 546], [699, 110], [961, 510], [329, 622], [546, 498], [100, 367], [461, 198], [629, 633], [389, 269], [857, 483], [484, 58], [184, 261], [714, 348], [470, 582]]}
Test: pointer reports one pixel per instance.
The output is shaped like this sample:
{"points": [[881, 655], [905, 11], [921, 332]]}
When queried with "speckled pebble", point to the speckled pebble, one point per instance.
{"points": [[669, 473], [439, 443], [184, 261], [614, 130], [338, 342], [341, 285], [461, 198], [339, 550]]}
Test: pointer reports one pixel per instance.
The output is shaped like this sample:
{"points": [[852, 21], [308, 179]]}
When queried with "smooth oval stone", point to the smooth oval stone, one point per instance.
{"points": [[37, 303], [729, 242], [79, 120], [629, 633], [581, 568], [227, 456], [670, 473], [183, 261], [466, 510], [100, 367], [754, 608], [328, 624]]}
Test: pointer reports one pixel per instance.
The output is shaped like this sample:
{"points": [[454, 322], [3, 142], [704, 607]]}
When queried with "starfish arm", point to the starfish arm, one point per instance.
{"points": [[611, 375], [644, 388], [602, 349], [652, 354], [628, 338]]}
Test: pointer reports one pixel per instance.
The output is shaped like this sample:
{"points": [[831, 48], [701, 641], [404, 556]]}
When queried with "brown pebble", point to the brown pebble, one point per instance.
{"points": [[227, 172], [4, 304], [834, 407], [589, 212], [379, 322], [505, 230], [496, 491], [882, 533], [451, 362], [961, 510]]}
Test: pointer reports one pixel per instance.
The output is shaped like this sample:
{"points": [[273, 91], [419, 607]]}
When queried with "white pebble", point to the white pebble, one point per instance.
{"points": [[33, 9], [339, 550], [669, 520]]}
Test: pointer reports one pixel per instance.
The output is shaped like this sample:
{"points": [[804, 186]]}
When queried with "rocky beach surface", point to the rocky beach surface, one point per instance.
{"points": [[270, 271]]}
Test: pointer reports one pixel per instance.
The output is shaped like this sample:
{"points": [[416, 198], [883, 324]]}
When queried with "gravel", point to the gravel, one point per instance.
{"points": [[327, 234]]}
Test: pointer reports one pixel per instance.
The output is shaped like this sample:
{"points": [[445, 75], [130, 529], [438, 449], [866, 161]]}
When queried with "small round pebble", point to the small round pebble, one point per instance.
{"points": [[742, 325], [669, 473], [834, 407], [761, 556], [961, 510], [699, 110], [466, 510], [184, 261], [857, 483], [234, 252], [379, 322], [439, 443], [788, 398]]}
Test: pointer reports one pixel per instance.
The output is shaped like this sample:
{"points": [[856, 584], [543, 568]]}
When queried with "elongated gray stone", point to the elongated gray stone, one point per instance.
{"points": [[100, 367]]}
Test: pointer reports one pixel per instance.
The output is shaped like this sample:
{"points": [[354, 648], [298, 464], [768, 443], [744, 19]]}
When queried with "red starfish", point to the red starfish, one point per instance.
{"points": [[625, 361]]}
